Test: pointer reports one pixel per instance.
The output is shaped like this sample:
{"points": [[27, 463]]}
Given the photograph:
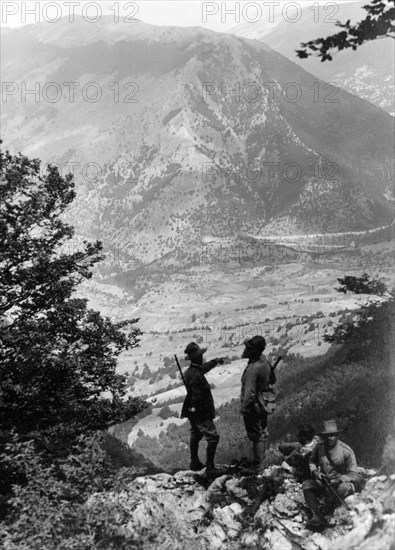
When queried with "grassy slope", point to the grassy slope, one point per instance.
{"points": [[358, 395]]}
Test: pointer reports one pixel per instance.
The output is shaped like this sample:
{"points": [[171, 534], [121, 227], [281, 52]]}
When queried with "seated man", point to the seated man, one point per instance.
{"points": [[297, 454], [332, 462]]}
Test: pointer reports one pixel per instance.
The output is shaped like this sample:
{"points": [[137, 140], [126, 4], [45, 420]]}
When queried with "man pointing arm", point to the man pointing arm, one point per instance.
{"points": [[199, 408]]}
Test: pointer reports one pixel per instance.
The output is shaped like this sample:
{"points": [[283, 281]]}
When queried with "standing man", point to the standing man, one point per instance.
{"points": [[199, 406], [332, 462], [257, 377]]}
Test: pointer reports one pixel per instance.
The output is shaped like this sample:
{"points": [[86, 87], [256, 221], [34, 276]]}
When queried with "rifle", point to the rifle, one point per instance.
{"points": [[272, 379], [328, 484], [179, 368], [276, 362]]}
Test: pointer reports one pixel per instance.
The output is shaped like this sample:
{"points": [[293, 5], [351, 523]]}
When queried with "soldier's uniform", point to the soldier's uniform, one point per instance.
{"points": [[199, 398], [255, 381], [338, 464], [333, 465]]}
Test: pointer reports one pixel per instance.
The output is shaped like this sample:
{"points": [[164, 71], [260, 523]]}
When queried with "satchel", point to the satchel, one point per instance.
{"points": [[267, 400]]}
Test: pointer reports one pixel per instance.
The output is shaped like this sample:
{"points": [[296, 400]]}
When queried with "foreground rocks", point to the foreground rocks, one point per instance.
{"points": [[186, 511]]}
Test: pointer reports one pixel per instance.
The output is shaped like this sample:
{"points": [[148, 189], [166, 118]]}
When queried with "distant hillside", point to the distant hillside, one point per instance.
{"points": [[367, 72], [163, 156]]}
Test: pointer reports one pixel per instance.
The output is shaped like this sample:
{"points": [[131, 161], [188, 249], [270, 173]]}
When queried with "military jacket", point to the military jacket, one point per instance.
{"points": [[341, 463], [255, 379], [199, 393]]}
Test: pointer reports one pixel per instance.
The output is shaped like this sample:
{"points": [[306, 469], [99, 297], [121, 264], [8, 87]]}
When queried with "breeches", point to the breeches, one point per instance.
{"points": [[204, 428], [256, 426]]}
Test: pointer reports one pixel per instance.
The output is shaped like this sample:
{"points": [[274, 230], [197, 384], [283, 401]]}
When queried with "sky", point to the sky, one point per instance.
{"points": [[215, 15]]}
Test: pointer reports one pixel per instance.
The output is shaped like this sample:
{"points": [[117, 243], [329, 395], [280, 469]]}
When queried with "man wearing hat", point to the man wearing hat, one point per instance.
{"points": [[257, 377], [331, 462], [198, 406]]}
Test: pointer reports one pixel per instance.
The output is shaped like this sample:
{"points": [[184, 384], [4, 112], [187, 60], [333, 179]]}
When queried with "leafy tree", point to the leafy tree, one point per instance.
{"points": [[58, 358], [379, 23], [146, 372], [361, 285], [167, 361], [166, 413], [367, 334]]}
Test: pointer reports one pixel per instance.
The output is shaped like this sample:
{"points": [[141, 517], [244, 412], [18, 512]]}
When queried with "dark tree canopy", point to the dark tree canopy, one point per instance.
{"points": [[379, 23], [58, 358], [361, 285], [369, 331]]}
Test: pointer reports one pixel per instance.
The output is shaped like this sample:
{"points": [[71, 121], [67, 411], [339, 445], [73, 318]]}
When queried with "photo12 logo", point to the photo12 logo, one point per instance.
{"points": [[53, 92], [269, 171], [272, 331], [268, 12], [256, 92], [113, 251], [53, 12], [268, 253], [121, 172]]}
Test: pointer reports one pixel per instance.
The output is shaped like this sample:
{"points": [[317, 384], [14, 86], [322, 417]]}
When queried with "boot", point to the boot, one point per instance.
{"points": [[210, 466], [257, 467], [195, 464], [317, 521]]}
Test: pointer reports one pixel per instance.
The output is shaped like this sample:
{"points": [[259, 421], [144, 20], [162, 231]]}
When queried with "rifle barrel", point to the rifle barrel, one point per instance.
{"points": [[276, 362], [179, 368], [328, 484]]}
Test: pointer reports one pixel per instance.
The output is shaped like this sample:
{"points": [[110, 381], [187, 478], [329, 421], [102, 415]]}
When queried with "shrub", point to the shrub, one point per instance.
{"points": [[166, 413], [53, 508], [361, 285]]}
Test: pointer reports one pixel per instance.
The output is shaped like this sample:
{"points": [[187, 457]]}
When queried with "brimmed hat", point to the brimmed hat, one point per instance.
{"points": [[329, 428], [193, 350], [256, 343]]}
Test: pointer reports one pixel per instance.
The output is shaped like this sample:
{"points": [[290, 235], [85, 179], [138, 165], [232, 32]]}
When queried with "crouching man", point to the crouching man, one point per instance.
{"points": [[199, 408], [333, 463]]}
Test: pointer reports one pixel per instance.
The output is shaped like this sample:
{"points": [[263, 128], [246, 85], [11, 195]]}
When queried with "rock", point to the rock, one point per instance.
{"points": [[286, 505], [264, 514], [277, 541], [177, 512], [373, 517], [232, 487], [215, 536], [217, 486], [236, 508], [226, 517], [249, 540], [318, 541]]}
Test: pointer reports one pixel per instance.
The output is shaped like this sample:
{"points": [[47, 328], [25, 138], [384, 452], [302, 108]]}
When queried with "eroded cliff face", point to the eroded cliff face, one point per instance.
{"points": [[186, 511]]}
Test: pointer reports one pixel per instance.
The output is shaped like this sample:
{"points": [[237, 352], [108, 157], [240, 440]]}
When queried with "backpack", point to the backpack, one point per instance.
{"points": [[267, 400]]}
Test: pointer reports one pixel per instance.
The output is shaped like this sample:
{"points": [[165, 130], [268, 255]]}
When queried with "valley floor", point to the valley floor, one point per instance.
{"points": [[292, 304]]}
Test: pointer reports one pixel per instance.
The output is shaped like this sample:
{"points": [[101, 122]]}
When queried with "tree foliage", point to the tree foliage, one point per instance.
{"points": [[58, 358], [378, 23], [166, 412], [361, 285], [60, 505], [369, 332]]}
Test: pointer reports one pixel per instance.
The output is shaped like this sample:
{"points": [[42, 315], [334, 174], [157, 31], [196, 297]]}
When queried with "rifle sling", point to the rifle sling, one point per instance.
{"points": [[331, 462]]}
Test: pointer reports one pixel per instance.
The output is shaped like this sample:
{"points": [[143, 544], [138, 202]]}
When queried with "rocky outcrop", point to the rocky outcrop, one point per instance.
{"points": [[186, 511], [373, 517]]}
